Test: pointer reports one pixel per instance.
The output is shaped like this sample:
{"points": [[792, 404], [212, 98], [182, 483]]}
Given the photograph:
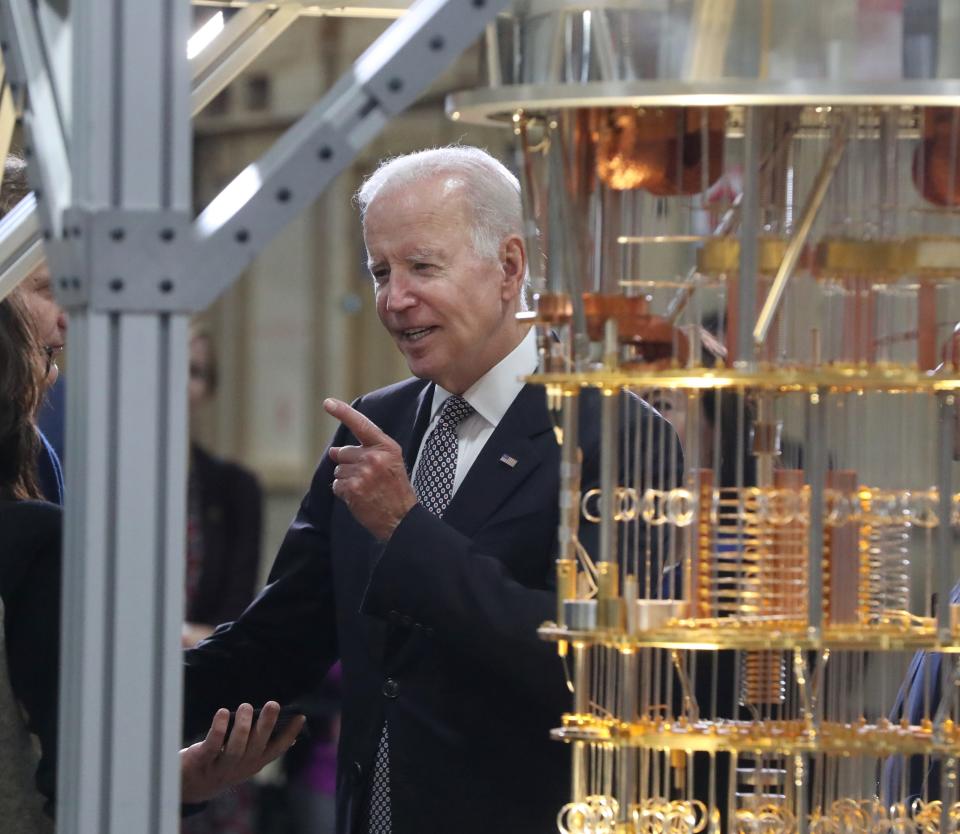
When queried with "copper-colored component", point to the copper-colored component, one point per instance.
{"points": [[762, 678], [785, 568], [841, 567], [660, 150], [696, 582], [654, 339], [553, 308], [766, 439], [599, 307], [927, 357], [936, 161], [656, 342], [951, 350]]}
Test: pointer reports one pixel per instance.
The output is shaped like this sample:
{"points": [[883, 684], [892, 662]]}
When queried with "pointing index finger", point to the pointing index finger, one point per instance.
{"points": [[363, 428]]}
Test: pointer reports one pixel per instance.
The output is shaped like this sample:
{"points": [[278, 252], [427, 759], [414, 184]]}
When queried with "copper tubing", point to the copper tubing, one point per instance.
{"points": [[842, 557]]}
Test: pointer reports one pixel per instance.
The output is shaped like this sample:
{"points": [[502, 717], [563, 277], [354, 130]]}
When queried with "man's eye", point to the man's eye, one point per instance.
{"points": [[422, 266], [380, 275]]}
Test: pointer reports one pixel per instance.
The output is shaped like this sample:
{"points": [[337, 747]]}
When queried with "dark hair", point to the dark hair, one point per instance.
{"points": [[14, 186], [20, 395]]}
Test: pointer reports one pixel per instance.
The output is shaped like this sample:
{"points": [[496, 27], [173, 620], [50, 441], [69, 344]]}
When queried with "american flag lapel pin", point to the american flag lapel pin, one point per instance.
{"points": [[508, 460]]}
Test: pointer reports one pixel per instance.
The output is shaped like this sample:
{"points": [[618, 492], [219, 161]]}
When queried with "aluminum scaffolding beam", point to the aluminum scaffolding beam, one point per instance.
{"points": [[129, 263]]}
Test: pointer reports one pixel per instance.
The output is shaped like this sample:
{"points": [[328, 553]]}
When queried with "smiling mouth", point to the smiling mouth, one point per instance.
{"points": [[415, 334]]}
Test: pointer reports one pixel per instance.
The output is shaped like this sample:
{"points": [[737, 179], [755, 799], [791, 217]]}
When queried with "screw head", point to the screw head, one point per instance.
{"points": [[283, 194], [395, 85], [167, 235], [242, 236], [325, 153], [116, 284], [437, 43], [117, 234], [166, 285]]}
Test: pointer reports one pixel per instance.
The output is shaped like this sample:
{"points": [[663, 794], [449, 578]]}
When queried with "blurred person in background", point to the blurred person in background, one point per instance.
{"points": [[224, 526]]}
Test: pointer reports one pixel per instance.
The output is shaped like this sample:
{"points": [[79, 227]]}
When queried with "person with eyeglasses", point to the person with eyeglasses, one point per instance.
{"points": [[48, 319]]}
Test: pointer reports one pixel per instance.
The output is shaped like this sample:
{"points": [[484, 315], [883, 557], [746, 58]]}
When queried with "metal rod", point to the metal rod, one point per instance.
{"points": [[816, 454], [749, 221], [946, 432], [795, 247], [609, 442]]}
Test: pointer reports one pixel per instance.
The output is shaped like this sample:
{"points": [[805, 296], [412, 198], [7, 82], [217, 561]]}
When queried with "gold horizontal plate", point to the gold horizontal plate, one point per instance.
{"points": [[881, 261], [711, 635], [783, 737], [879, 377], [721, 255]]}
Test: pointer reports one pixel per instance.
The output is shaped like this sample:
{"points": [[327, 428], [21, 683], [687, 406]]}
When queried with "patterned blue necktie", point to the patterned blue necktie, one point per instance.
{"points": [[433, 483]]}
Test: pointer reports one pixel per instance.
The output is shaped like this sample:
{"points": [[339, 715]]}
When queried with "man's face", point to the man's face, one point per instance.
{"points": [[199, 385], [450, 312], [49, 319]]}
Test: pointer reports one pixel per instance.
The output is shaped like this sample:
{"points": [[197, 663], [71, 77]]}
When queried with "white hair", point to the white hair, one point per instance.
{"points": [[493, 192]]}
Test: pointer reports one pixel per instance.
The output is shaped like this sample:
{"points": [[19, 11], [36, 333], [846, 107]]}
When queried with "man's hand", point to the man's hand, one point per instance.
{"points": [[210, 767], [371, 479]]}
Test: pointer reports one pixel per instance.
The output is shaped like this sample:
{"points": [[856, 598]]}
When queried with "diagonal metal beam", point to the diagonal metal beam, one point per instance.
{"points": [[246, 35], [387, 78], [20, 241], [28, 64], [372, 9]]}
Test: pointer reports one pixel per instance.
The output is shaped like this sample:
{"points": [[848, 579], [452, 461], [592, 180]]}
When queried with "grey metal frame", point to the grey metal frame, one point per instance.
{"points": [[113, 190]]}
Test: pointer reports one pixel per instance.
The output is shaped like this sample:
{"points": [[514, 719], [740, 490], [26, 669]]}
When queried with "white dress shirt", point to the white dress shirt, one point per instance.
{"points": [[490, 396]]}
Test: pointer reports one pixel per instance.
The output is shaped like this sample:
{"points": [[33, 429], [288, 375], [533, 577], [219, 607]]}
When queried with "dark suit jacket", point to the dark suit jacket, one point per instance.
{"points": [[232, 508], [437, 630], [30, 561]]}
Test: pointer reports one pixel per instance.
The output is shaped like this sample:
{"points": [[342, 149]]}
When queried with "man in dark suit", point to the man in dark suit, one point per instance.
{"points": [[422, 555]]}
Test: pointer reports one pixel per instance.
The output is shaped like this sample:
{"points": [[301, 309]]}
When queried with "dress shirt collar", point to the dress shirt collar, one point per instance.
{"points": [[492, 394]]}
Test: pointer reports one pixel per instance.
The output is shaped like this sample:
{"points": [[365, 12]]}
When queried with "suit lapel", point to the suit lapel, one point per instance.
{"points": [[414, 435], [514, 451]]}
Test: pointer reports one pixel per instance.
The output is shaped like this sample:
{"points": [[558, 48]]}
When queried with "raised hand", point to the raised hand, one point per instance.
{"points": [[371, 479], [211, 766]]}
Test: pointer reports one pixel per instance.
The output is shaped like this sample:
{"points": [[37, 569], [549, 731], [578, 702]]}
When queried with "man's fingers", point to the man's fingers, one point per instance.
{"points": [[240, 734], [264, 727], [210, 747], [346, 454], [363, 428]]}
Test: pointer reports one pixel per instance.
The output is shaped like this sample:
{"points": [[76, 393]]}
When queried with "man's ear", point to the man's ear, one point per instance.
{"points": [[513, 261]]}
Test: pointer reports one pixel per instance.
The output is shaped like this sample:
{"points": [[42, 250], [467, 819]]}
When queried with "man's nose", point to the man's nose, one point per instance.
{"points": [[400, 293]]}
